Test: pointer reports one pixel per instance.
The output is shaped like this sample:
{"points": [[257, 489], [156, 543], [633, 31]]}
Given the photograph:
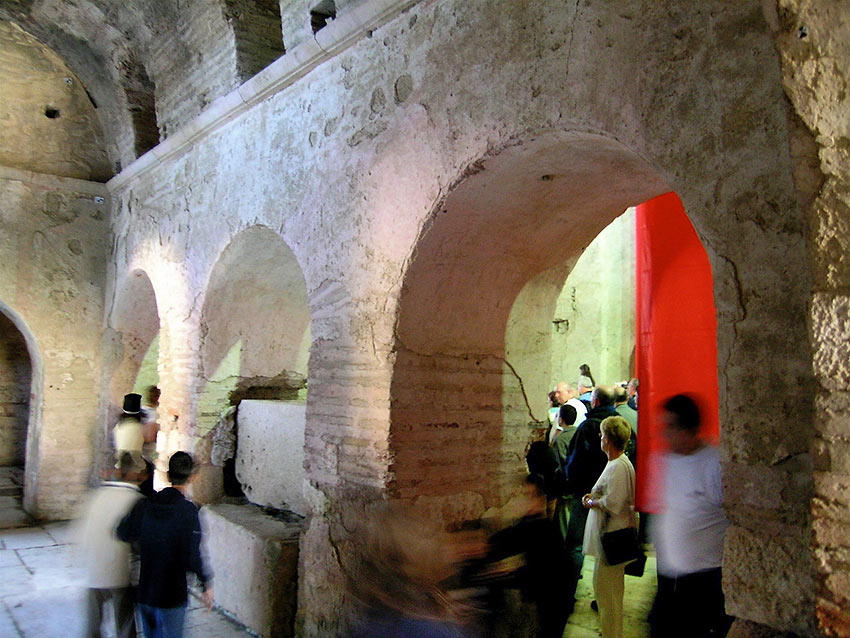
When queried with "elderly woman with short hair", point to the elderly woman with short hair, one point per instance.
{"points": [[611, 503]]}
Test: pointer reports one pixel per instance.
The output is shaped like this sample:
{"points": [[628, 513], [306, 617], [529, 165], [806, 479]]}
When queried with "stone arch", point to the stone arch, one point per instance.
{"points": [[255, 340], [136, 324], [34, 409], [486, 273]]}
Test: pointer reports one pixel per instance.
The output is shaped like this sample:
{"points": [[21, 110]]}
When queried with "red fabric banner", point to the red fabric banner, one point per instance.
{"points": [[676, 341]]}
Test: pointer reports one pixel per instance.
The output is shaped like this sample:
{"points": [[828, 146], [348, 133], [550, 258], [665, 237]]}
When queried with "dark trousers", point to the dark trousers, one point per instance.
{"points": [[690, 605], [575, 557], [121, 599]]}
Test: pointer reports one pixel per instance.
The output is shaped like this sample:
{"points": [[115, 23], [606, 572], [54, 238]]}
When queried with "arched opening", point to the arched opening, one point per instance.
{"points": [[255, 340], [474, 328], [21, 384], [135, 345], [15, 383], [476, 344], [15, 387]]}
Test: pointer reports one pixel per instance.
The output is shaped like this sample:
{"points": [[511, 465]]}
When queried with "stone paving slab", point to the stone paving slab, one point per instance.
{"points": [[54, 613], [7, 626], [61, 532], [26, 537], [9, 558], [14, 580]]}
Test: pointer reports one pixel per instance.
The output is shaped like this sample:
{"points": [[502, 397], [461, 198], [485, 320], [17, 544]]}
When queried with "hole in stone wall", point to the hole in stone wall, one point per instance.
{"points": [[321, 14], [51, 112]]}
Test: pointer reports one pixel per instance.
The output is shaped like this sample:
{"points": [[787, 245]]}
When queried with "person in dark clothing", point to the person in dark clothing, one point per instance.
{"points": [[584, 465], [168, 531], [534, 550]]}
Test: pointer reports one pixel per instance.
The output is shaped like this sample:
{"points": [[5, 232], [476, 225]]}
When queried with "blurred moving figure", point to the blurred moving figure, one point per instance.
{"points": [[689, 532], [398, 581], [531, 555], [107, 560], [611, 504], [150, 429]]}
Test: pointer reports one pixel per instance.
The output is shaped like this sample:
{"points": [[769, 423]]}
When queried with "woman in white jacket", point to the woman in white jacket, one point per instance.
{"points": [[611, 503]]}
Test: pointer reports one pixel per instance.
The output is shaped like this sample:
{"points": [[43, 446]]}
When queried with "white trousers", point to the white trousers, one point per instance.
{"points": [[608, 587]]}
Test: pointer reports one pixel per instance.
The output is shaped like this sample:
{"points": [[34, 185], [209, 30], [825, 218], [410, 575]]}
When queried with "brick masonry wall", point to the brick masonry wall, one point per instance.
{"points": [[352, 164]]}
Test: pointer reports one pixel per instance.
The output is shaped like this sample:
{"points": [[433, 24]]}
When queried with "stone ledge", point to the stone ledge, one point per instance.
{"points": [[258, 584], [53, 182], [356, 22]]}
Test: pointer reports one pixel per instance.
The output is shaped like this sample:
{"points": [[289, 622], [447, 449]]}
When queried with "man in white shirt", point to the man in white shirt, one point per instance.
{"points": [[565, 394], [689, 532]]}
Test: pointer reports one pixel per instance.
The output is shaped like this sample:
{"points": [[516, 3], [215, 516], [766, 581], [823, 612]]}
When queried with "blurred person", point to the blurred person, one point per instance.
{"points": [[632, 389], [566, 428], [586, 377], [584, 466], [532, 553], [621, 404], [621, 398], [552, 414], [611, 507], [127, 434], [397, 584], [107, 559], [167, 528], [585, 384], [689, 532], [150, 429], [150, 422]]}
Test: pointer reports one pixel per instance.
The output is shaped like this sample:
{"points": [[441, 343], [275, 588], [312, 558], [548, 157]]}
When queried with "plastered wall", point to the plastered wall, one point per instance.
{"points": [[355, 166], [594, 320], [54, 247]]}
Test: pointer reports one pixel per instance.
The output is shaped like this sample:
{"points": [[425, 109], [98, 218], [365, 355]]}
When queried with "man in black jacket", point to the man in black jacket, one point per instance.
{"points": [[585, 462], [167, 528]]}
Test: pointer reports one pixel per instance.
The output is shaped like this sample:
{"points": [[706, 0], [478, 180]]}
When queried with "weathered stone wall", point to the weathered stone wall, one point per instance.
{"points": [[813, 39], [15, 383], [47, 123], [594, 321], [54, 250], [377, 171]]}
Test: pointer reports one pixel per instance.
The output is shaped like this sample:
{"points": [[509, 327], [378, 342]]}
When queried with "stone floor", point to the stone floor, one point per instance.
{"points": [[640, 592], [41, 579], [41, 588]]}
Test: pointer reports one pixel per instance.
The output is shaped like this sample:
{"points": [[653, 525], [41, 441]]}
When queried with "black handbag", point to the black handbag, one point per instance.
{"points": [[621, 546]]}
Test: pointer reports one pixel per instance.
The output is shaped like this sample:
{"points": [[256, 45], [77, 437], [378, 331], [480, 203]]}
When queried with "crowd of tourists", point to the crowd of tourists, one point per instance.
{"points": [[577, 500]]}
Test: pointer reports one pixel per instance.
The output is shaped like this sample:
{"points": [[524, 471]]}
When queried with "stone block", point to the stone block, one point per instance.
{"points": [[254, 560], [270, 453]]}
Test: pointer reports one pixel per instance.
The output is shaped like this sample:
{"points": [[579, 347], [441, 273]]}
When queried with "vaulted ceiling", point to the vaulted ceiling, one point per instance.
{"points": [[150, 66]]}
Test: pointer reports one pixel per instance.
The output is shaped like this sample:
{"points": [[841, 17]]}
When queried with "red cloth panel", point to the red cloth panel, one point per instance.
{"points": [[676, 341]]}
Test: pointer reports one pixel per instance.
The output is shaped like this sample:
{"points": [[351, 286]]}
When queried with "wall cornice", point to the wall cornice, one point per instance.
{"points": [[53, 182], [352, 24]]}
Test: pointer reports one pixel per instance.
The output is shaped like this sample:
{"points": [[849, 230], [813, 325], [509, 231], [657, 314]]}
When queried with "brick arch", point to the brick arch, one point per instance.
{"points": [[255, 338], [497, 248]]}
